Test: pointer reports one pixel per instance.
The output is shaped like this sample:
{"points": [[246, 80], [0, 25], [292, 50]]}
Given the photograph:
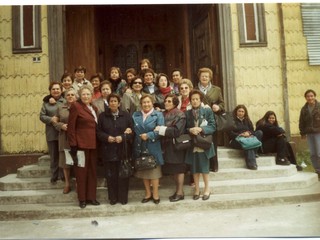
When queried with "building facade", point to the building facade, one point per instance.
{"points": [[259, 54]]}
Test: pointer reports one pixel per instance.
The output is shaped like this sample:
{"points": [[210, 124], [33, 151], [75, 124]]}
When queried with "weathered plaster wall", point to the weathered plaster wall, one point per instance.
{"points": [[258, 69], [23, 84], [301, 76]]}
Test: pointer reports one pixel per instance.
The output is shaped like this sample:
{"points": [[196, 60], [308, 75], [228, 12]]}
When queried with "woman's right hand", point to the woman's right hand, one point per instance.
{"points": [[111, 139]]}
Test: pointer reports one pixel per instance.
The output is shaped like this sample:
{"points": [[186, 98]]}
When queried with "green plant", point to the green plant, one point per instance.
{"points": [[304, 156]]}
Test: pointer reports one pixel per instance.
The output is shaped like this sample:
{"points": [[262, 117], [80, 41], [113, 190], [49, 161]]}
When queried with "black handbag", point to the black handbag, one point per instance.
{"points": [[225, 121], [146, 160], [126, 169], [184, 141], [202, 141]]}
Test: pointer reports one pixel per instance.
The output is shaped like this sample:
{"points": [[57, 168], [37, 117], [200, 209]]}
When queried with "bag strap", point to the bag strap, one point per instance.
{"points": [[125, 146], [143, 147]]}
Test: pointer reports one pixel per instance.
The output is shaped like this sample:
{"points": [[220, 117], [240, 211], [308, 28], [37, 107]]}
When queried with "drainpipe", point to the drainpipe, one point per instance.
{"points": [[284, 73]]}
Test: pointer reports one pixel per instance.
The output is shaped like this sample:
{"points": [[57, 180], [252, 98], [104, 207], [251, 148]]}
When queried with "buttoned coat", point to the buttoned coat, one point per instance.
{"points": [[210, 128], [81, 126], [153, 142], [109, 125], [63, 115], [175, 121], [46, 113], [214, 96]]}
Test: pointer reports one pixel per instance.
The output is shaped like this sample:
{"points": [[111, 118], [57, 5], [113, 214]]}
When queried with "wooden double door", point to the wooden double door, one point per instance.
{"points": [[170, 36]]}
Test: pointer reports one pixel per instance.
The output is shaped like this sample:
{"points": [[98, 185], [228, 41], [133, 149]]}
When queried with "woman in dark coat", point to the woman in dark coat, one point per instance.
{"points": [[114, 127], [175, 121], [200, 120], [274, 138], [244, 128]]}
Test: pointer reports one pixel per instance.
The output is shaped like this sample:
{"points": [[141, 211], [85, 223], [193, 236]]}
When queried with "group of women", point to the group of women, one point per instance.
{"points": [[115, 118]]}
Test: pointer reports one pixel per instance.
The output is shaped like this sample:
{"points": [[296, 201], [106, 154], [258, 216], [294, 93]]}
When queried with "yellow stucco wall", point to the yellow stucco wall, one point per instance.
{"points": [[301, 76], [258, 70], [23, 84]]}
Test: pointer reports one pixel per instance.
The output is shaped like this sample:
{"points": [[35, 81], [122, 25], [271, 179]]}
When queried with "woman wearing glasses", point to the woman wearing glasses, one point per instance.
{"points": [[131, 100]]}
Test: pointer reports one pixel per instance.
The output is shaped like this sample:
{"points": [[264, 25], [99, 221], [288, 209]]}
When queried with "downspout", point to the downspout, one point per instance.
{"points": [[284, 73]]}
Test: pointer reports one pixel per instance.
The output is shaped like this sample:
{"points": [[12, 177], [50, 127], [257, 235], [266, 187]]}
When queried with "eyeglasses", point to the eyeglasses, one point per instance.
{"points": [[184, 88], [70, 94], [168, 101], [137, 83]]}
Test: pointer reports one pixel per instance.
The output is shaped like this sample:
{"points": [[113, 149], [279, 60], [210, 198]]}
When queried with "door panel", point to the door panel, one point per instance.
{"points": [[204, 39]]}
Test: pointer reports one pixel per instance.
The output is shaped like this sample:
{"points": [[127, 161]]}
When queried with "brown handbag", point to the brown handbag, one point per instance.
{"points": [[202, 141]]}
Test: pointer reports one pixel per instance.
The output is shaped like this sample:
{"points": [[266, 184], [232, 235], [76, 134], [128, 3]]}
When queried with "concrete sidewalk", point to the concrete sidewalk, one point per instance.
{"points": [[295, 220]]}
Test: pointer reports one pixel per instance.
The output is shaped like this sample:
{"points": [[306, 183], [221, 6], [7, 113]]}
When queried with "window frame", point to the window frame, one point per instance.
{"points": [[17, 31], [260, 25]]}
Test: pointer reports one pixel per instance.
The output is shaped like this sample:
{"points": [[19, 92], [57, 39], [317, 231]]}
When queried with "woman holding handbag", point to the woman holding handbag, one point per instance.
{"points": [[175, 121], [213, 98], [244, 128], [113, 132], [144, 123], [200, 121]]}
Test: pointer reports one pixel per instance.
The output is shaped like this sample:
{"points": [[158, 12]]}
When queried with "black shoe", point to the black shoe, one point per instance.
{"points": [[124, 202], [252, 167], [177, 198], [53, 180], [156, 201], [282, 161], [145, 200], [93, 202], [113, 202], [196, 196], [206, 197], [173, 196], [299, 168], [82, 204]]}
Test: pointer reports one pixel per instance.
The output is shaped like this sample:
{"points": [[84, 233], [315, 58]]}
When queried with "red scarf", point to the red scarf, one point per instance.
{"points": [[165, 91]]}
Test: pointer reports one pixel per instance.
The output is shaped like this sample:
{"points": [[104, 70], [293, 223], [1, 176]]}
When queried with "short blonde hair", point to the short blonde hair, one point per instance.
{"points": [[186, 81], [83, 88], [203, 70]]}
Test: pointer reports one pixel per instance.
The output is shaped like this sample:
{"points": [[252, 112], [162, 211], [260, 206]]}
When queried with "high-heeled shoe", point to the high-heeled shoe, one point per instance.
{"points": [[177, 198], [206, 196], [156, 201], [145, 200], [196, 196], [66, 190]]}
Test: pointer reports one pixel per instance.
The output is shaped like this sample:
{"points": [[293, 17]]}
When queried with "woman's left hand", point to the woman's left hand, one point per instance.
{"points": [[195, 130], [128, 131], [215, 108], [118, 139], [144, 136]]}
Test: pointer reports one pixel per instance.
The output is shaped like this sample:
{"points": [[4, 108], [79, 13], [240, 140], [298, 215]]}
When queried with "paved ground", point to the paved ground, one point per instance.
{"points": [[296, 220]]}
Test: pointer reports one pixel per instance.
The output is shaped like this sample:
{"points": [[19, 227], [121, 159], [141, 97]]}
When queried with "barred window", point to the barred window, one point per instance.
{"points": [[252, 27], [26, 29]]}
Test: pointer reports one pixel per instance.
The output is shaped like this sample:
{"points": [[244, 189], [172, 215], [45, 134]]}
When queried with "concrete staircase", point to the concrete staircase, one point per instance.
{"points": [[29, 194]]}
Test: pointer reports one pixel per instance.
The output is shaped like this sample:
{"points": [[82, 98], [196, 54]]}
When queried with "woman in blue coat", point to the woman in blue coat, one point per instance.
{"points": [[144, 123], [200, 120]]}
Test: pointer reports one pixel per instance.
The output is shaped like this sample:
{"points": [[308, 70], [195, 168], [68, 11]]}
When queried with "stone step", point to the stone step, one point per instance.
{"points": [[54, 210], [298, 181], [15, 183], [43, 170]]}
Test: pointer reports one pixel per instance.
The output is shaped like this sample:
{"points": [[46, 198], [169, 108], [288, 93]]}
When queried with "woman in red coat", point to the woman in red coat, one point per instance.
{"points": [[82, 137]]}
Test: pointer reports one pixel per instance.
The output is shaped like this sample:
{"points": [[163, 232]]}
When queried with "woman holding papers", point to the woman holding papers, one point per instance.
{"points": [[82, 137]]}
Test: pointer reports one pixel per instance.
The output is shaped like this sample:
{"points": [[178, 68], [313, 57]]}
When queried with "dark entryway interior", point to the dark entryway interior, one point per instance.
{"points": [[183, 36]]}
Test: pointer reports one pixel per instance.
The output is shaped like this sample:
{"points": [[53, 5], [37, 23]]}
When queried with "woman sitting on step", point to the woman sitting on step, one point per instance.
{"points": [[274, 139], [244, 128]]}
